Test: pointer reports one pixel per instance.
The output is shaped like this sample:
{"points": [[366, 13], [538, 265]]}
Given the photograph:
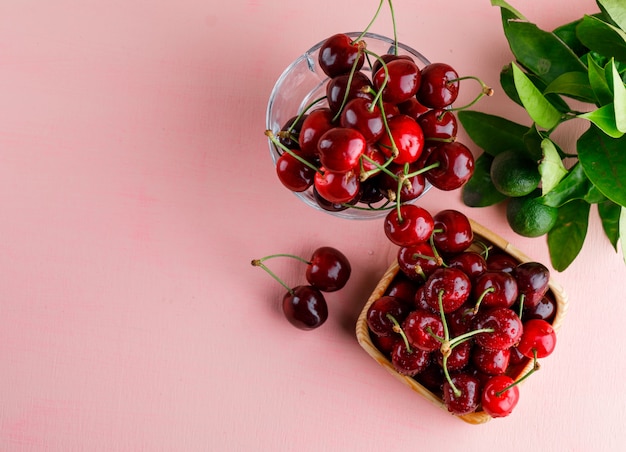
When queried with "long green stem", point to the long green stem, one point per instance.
{"points": [[535, 368], [284, 148], [258, 263]]}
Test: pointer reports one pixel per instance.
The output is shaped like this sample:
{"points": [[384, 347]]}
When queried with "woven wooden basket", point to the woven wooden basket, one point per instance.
{"points": [[481, 234]]}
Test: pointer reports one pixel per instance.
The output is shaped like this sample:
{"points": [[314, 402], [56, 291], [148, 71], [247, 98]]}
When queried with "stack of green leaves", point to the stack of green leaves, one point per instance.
{"points": [[550, 190]]}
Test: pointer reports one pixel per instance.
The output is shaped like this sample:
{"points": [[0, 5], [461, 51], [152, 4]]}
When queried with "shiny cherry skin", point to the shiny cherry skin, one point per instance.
{"points": [[412, 187], [470, 395], [403, 288], [459, 357], [339, 54], [305, 307], [507, 328], [336, 88], [440, 124], [402, 80], [491, 362], [329, 205], [337, 187], [538, 335], [361, 115], [369, 192], [419, 326], [455, 165], [288, 135], [294, 174], [407, 136], [501, 261], [452, 283], [533, 279], [377, 158], [439, 85], [545, 310], [473, 264], [414, 225], [497, 404], [377, 314], [417, 261], [412, 108], [453, 231], [341, 148], [460, 321], [387, 58], [495, 289], [328, 269], [409, 363], [313, 127]]}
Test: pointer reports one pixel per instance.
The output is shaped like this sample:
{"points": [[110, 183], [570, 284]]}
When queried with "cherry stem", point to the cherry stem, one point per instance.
{"points": [[393, 22], [380, 5], [284, 148], [535, 368], [349, 83], [521, 305], [485, 91], [423, 170], [379, 167], [293, 256], [398, 329], [259, 263], [302, 113], [434, 248], [482, 296]]}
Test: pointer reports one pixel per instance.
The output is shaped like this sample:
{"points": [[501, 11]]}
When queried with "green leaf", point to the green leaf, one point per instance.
{"points": [[505, 5], [508, 86], [619, 96], [616, 9], [566, 238], [538, 107], [602, 158], [572, 84], [598, 82], [567, 34], [551, 167], [602, 37], [622, 231], [604, 118], [575, 185], [491, 133], [539, 51], [479, 191], [532, 139], [610, 215]]}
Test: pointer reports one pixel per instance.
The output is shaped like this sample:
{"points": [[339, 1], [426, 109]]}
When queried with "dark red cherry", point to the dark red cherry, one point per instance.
{"points": [[412, 187], [369, 192], [384, 343], [337, 187], [439, 86], [412, 108], [379, 311], [314, 126], [417, 261], [473, 264], [453, 231], [387, 58], [339, 54], [336, 88], [328, 205], [403, 288], [288, 135], [407, 136], [341, 148], [495, 400], [440, 124], [506, 325], [328, 269], [501, 261], [422, 328], [470, 392], [305, 307], [491, 362], [545, 310], [408, 225], [409, 363], [360, 114], [460, 321], [451, 284], [459, 357], [538, 336], [455, 165], [294, 174], [533, 280], [373, 159], [400, 82], [495, 289]]}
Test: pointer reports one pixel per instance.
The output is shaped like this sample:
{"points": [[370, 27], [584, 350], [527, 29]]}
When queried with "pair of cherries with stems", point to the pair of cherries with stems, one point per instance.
{"points": [[372, 127], [327, 270]]}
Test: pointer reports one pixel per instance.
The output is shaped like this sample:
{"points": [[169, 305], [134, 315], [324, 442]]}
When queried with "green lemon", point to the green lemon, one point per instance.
{"points": [[528, 217], [513, 174]]}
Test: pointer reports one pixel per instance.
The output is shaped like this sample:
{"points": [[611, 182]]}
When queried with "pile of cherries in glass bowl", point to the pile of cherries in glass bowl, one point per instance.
{"points": [[360, 124]]}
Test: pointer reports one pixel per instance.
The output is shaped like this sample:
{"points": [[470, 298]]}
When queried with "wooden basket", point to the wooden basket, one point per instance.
{"points": [[481, 234]]}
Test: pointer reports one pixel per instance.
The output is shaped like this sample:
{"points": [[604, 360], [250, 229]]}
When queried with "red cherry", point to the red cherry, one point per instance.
{"points": [[469, 397], [379, 311], [497, 403], [441, 124], [336, 89], [337, 187], [495, 289], [538, 335], [417, 261], [453, 231], [419, 326], [412, 187], [546, 309], [361, 115], [403, 288], [533, 279], [472, 263], [491, 362], [507, 328], [305, 307], [412, 108], [407, 136], [338, 55], [402, 80], [313, 127], [501, 261], [340, 149], [414, 225], [387, 58], [459, 357], [294, 174], [328, 269], [409, 363], [455, 165], [439, 86], [453, 285]]}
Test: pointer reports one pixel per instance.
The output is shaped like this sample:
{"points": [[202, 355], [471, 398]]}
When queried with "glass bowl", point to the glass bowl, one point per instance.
{"points": [[302, 82]]}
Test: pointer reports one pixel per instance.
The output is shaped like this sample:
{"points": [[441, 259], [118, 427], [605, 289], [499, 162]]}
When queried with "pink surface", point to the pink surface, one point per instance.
{"points": [[135, 188]]}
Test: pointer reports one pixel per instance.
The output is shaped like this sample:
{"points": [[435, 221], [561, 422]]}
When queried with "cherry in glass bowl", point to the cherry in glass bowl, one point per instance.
{"points": [[304, 82]]}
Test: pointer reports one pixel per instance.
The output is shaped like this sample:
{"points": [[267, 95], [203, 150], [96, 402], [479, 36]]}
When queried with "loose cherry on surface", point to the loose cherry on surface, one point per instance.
{"points": [[328, 269], [408, 225], [454, 165], [439, 85], [452, 231], [305, 307], [407, 136], [341, 148], [339, 54], [498, 401], [538, 337]]}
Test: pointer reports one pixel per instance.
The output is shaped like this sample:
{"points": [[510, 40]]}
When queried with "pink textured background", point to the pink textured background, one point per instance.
{"points": [[135, 188]]}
